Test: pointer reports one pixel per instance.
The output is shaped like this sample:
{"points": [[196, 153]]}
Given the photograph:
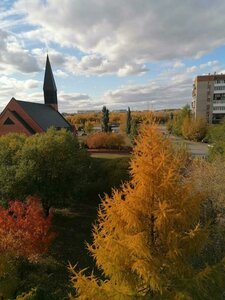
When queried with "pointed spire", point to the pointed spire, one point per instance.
{"points": [[50, 90]]}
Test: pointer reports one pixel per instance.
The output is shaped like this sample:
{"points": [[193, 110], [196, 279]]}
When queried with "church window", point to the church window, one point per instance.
{"points": [[8, 121]]}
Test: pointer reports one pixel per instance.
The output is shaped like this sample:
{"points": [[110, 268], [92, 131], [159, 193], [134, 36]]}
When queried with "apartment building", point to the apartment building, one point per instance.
{"points": [[208, 97]]}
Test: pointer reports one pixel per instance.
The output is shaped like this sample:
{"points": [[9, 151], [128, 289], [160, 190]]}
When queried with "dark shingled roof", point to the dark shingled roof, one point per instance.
{"points": [[50, 91], [45, 116], [49, 81]]}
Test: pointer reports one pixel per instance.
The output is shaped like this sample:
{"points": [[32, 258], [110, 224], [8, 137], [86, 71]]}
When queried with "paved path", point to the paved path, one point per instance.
{"points": [[196, 148]]}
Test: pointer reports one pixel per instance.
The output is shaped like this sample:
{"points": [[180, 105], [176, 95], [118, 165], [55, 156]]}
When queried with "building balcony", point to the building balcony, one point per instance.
{"points": [[219, 102], [219, 109], [219, 91]]}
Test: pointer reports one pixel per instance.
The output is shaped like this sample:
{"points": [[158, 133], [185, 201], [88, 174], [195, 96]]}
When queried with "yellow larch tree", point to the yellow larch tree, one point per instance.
{"points": [[148, 234]]}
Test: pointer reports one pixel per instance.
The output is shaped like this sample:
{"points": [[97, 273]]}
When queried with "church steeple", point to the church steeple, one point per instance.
{"points": [[50, 90]]}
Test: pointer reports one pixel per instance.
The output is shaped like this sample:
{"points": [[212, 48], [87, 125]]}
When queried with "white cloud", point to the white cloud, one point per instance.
{"points": [[153, 93], [210, 64], [170, 89], [97, 65], [178, 64], [28, 90], [60, 73], [13, 57], [19, 89], [8, 83], [31, 84], [134, 69], [112, 37], [192, 69], [74, 97], [128, 32], [71, 102]]}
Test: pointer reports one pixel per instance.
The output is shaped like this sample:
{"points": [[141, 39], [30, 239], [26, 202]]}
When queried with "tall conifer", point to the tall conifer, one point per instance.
{"points": [[105, 119], [128, 121]]}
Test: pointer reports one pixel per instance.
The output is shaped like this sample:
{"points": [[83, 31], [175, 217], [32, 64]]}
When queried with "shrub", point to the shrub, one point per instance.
{"points": [[105, 140], [24, 235], [175, 124], [216, 136], [24, 229], [194, 129]]}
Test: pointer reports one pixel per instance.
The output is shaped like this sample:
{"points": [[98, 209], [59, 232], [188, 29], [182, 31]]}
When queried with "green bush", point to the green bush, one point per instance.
{"points": [[175, 125], [216, 137], [50, 164]]}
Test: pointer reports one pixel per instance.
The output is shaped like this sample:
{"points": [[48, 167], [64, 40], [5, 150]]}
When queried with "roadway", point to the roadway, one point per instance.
{"points": [[196, 148]]}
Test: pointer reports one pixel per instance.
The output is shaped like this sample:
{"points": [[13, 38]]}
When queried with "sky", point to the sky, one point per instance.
{"points": [[142, 54]]}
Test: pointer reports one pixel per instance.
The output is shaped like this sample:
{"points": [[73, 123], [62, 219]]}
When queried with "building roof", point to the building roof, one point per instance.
{"points": [[49, 81], [210, 77], [44, 115], [23, 122], [49, 87]]}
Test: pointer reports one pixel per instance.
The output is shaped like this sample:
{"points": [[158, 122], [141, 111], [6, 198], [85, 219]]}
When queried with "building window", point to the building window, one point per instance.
{"points": [[8, 121], [217, 88], [219, 108], [219, 101]]}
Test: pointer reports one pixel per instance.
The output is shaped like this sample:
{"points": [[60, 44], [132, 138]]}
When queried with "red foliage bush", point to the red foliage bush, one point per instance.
{"points": [[24, 229], [105, 140]]}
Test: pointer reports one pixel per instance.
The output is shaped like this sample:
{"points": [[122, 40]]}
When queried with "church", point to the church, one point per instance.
{"points": [[30, 118]]}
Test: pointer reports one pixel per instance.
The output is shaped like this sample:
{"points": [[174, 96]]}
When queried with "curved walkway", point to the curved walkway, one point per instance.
{"points": [[196, 148]]}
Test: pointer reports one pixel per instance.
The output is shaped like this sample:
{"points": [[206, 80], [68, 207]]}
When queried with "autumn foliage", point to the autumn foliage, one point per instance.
{"points": [[194, 129], [105, 140], [149, 238], [24, 229]]}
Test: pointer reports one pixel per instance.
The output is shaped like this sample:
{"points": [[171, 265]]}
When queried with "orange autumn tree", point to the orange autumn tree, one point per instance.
{"points": [[24, 229], [148, 235], [25, 233]]}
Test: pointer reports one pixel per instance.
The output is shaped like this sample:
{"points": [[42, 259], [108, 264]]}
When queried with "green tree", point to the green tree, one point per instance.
{"points": [[135, 124], [179, 119], [53, 166], [50, 164], [10, 146], [149, 234], [216, 136], [128, 123], [105, 119]]}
